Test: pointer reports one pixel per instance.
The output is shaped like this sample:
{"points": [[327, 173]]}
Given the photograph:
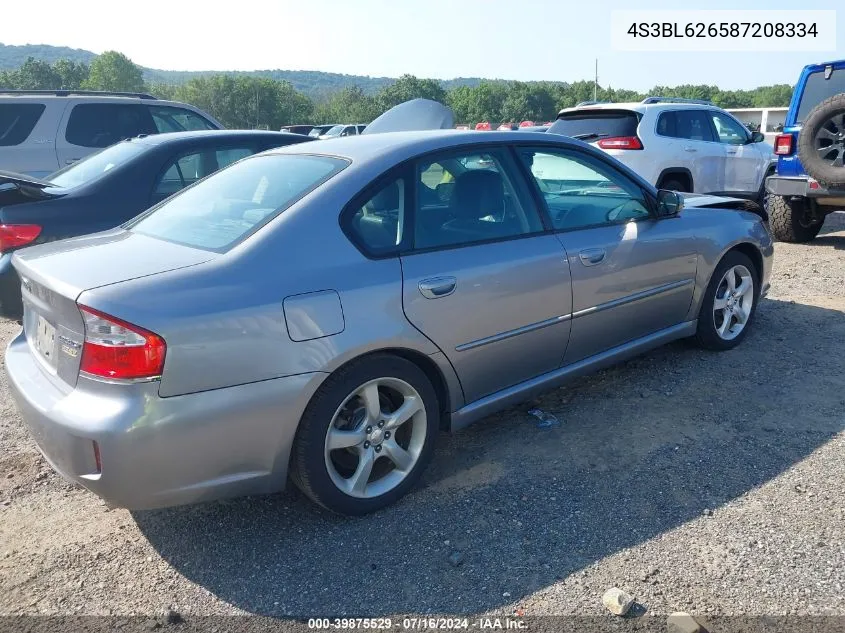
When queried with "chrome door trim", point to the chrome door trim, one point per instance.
{"points": [[645, 294], [501, 336]]}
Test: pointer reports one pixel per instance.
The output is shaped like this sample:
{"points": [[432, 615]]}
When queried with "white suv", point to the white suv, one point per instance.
{"points": [[42, 131], [677, 144]]}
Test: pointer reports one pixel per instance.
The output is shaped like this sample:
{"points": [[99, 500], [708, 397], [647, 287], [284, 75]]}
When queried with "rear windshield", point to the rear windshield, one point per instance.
{"points": [[818, 89], [602, 123], [228, 206], [95, 165], [17, 120]]}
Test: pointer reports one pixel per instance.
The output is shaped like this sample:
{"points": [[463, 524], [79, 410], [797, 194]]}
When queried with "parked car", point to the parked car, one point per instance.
{"points": [[44, 130], [110, 187], [299, 313], [298, 129], [319, 130], [676, 144], [810, 179], [343, 130]]}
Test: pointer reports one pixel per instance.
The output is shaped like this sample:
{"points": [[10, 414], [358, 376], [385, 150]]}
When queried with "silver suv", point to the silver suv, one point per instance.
{"points": [[43, 131]]}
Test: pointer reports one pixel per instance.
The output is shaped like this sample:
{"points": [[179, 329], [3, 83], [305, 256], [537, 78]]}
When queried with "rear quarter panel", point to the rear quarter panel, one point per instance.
{"points": [[224, 321]]}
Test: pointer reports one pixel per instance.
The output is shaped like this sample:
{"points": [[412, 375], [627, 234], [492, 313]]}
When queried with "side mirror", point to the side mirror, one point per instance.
{"points": [[669, 203], [757, 137]]}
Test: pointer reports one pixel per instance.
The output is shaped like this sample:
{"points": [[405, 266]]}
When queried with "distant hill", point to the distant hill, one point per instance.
{"points": [[313, 83]]}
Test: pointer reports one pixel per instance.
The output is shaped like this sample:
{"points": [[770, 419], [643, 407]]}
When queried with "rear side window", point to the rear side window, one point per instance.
{"points": [[171, 119], [817, 89], [687, 124], [227, 207], [593, 124], [17, 120], [189, 168], [103, 124]]}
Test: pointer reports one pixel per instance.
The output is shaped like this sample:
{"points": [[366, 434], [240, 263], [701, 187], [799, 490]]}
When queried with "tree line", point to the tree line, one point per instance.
{"points": [[243, 101]]}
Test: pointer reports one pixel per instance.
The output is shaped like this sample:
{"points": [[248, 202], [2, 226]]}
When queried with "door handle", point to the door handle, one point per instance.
{"points": [[437, 287], [690, 149], [592, 256], [732, 151], [71, 161]]}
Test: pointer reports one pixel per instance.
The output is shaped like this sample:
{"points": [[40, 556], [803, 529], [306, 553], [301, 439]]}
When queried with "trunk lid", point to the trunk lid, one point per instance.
{"points": [[53, 275], [16, 188]]}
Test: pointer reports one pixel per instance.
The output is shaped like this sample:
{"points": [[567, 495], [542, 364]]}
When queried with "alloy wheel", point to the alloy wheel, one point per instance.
{"points": [[734, 302]]}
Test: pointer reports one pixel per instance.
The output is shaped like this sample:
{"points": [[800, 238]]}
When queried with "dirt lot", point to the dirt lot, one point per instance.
{"points": [[709, 483]]}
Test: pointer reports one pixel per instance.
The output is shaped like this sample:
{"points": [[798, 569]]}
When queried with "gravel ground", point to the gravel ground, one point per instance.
{"points": [[700, 482]]}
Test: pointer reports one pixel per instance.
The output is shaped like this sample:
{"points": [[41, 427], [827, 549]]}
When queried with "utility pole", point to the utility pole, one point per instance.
{"points": [[596, 83]]}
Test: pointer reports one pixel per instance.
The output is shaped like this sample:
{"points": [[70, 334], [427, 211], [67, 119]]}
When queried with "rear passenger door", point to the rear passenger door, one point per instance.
{"points": [[481, 279], [88, 127], [696, 148]]}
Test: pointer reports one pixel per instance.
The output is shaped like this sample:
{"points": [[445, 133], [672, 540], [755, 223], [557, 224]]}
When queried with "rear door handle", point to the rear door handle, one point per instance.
{"points": [[437, 287], [71, 161], [690, 149], [592, 256]]}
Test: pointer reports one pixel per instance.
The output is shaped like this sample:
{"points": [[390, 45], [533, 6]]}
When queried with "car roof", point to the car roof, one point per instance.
{"points": [[402, 145], [194, 135], [642, 107]]}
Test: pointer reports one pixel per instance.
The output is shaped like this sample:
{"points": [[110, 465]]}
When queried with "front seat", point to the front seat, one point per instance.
{"points": [[478, 193]]}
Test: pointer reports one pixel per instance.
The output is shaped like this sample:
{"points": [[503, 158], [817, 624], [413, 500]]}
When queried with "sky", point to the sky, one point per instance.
{"points": [[524, 40]]}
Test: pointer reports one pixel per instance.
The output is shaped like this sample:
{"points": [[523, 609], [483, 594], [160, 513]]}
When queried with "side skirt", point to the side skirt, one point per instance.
{"points": [[488, 405]]}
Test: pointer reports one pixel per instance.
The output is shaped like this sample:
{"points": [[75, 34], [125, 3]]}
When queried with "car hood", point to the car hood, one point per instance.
{"points": [[417, 114], [705, 200], [72, 266]]}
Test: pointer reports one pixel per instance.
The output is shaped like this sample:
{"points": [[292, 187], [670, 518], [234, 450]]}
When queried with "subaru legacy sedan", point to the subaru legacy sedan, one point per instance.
{"points": [[321, 312]]}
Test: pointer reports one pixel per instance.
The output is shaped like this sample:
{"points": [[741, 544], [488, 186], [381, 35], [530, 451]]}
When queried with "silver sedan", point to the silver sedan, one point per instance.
{"points": [[323, 312]]}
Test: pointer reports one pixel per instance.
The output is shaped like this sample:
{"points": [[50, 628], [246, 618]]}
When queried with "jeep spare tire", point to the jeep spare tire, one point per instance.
{"points": [[821, 143]]}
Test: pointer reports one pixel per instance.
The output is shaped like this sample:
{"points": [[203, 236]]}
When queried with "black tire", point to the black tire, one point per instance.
{"points": [[828, 168], [308, 468], [706, 335], [673, 184], [790, 219]]}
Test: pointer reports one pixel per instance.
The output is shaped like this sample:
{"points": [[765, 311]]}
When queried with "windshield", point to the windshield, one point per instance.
{"points": [[334, 130], [316, 131], [228, 206], [593, 124], [95, 165], [817, 89]]}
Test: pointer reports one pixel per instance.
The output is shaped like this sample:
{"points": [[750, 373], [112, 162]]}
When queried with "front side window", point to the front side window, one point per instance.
{"points": [[172, 119], [729, 131], [230, 205], [469, 198], [17, 120], [96, 165], [582, 192], [104, 124]]}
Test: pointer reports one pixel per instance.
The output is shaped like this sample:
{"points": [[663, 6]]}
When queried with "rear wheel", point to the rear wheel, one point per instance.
{"points": [[821, 144], [793, 220], [729, 303], [367, 435]]}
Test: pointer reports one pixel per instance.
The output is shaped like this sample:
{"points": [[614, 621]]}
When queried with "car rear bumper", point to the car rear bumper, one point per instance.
{"points": [[154, 451], [801, 186]]}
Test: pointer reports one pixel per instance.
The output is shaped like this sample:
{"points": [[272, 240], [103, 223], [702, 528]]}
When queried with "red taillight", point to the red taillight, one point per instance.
{"points": [[783, 144], [14, 235], [621, 142], [119, 350]]}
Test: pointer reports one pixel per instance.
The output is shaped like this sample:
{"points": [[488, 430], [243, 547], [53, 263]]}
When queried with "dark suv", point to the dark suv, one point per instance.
{"points": [[810, 179]]}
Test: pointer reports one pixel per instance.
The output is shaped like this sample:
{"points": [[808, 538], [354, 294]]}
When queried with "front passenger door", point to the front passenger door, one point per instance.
{"points": [[632, 273]]}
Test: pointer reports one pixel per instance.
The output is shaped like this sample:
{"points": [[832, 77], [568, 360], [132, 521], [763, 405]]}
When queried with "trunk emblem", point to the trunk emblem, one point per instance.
{"points": [[69, 346]]}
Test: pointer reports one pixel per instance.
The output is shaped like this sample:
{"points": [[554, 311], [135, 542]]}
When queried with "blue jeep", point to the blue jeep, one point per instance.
{"points": [[810, 179]]}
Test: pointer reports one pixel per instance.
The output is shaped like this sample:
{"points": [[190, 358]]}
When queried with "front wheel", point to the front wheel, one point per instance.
{"points": [[366, 436], [729, 303]]}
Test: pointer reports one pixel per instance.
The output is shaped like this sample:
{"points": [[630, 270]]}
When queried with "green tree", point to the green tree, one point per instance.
{"points": [[350, 105], [71, 75], [35, 75], [408, 87], [114, 71]]}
